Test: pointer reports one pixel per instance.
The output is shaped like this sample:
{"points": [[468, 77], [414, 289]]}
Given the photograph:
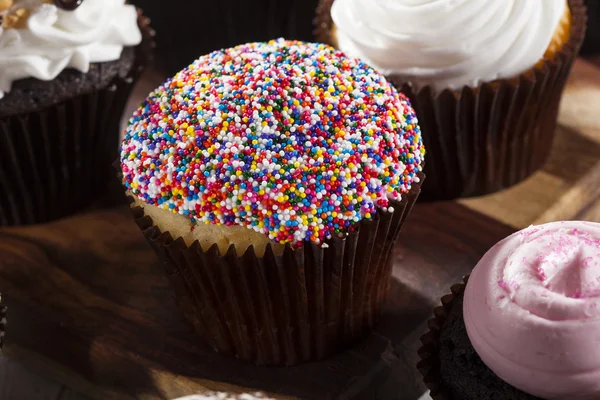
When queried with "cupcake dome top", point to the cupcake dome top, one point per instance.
{"points": [[291, 139], [532, 310]]}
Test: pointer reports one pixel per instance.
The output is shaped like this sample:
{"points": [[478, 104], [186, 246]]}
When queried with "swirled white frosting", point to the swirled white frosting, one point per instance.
{"points": [[54, 39], [447, 43]]}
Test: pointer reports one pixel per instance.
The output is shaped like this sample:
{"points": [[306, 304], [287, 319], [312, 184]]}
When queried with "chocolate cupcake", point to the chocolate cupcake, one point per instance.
{"points": [[187, 28], [273, 180], [527, 323], [66, 71], [485, 78]]}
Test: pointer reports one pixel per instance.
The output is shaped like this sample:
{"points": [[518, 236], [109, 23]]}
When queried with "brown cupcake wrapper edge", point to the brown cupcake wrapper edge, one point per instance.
{"points": [[55, 161], [429, 365], [485, 139], [284, 309]]}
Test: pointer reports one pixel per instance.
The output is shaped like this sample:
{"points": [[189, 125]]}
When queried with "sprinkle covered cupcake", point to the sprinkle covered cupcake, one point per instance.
{"points": [[527, 325], [485, 77], [255, 173], [66, 71]]}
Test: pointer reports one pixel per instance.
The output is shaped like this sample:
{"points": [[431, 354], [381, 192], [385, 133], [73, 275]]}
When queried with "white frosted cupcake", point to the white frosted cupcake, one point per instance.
{"points": [[485, 78], [66, 71]]}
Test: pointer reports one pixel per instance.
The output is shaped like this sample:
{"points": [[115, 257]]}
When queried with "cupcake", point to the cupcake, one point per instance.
{"points": [[273, 180], [188, 28], [485, 78], [66, 71], [527, 324]]}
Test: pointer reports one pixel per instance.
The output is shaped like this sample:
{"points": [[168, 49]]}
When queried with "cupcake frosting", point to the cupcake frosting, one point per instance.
{"points": [[447, 43], [532, 310], [293, 140], [40, 40]]}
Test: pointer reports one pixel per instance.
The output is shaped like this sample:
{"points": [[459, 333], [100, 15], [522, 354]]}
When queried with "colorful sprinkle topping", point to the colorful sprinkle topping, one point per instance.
{"points": [[291, 139]]}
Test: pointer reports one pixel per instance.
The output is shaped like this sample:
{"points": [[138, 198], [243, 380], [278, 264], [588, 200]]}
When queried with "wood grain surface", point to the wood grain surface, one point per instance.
{"points": [[18, 382], [91, 308]]}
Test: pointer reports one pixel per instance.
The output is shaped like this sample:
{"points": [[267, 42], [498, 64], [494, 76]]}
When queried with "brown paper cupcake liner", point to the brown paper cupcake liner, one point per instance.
{"points": [[284, 309], [481, 140], [213, 25], [429, 365], [56, 161]]}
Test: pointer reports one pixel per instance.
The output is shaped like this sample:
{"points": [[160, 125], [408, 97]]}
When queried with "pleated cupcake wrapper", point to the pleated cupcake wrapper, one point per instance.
{"points": [[429, 365], [56, 161], [481, 140], [284, 309], [224, 24]]}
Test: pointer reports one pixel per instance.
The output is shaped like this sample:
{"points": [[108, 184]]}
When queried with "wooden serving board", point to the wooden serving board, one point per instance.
{"points": [[90, 307]]}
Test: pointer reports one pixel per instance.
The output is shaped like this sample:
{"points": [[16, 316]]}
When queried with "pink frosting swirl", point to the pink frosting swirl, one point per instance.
{"points": [[532, 310]]}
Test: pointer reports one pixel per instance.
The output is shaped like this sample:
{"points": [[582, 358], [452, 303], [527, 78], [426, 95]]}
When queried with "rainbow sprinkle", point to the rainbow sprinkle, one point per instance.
{"points": [[291, 139]]}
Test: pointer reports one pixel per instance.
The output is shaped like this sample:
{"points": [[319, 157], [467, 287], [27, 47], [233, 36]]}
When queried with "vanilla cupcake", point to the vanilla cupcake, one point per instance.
{"points": [[66, 71], [273, 179], [486, 77], [527, 324]]}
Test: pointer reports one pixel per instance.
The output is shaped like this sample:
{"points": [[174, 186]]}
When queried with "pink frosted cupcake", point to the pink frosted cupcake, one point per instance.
{"points": [[527, 323]]}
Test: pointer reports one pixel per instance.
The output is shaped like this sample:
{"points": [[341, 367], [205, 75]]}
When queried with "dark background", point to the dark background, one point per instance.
{"points": [[592, 41], [188, 29]]}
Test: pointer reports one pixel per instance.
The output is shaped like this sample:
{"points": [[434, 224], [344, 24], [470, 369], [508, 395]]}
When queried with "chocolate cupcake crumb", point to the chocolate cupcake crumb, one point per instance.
{"points": [[462, 370], [30, 94]]}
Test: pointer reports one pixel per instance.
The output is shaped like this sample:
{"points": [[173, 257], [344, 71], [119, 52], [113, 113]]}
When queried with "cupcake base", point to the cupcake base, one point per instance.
{"points": [[485, 139], [56, 157], [301, 306], [451, 368]]}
